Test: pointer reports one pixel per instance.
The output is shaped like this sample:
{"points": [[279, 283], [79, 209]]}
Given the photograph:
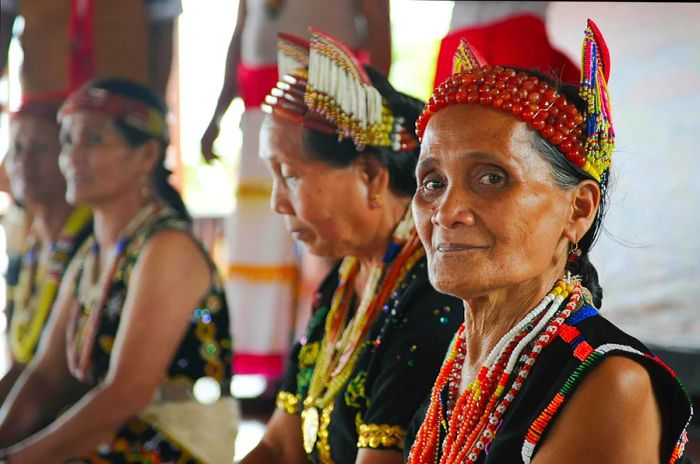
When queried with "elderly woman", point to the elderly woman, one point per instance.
{"points": [[56, 232], [342, 159], [511, 179], [131, 333]]}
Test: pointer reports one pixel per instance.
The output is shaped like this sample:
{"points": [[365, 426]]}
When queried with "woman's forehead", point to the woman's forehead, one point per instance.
{"points": [[472, 128]]}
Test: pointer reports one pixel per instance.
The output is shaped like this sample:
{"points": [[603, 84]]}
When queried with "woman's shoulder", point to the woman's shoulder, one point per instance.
{"points": [[601, 357]]}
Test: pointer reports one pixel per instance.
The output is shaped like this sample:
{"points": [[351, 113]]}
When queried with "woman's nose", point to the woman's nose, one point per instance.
{"points": [[454, 209]]}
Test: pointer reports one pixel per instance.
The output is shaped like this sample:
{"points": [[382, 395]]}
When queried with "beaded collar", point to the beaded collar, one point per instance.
{"points": [[93, 291], [586, 139], [475, 414], [341, 340], [37, 288]]}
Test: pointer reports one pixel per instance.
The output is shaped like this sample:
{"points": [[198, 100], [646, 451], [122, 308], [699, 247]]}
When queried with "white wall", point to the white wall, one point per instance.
{"points": [[650, 258]]}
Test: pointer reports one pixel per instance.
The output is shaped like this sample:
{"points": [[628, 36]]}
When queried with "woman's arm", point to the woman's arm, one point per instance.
{"points": [[9, 379], [375, 456], [229, 88], [281, 442], [612, 417], [45, 386], [157, 311]]}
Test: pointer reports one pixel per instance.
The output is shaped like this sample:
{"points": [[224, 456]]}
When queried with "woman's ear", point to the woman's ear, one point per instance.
{"points": [[585, 200], [376, 177], [150, 154]]}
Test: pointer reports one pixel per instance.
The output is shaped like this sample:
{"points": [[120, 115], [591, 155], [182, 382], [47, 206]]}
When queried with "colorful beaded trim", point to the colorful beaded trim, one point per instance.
{"points": [[587, 140], [340, 92], [287, 97], [380, 436], [135, 113], [288, 402], [33, 303], [588, 356]]}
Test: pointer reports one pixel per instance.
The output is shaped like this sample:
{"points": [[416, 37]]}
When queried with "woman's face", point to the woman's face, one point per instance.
{"points": [[96, 160], [32, 162], [324, 207], [487, 208]]}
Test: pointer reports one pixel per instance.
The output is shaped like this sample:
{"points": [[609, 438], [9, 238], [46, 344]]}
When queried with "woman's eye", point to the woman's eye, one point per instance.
{"points": [[492, 178], [432, 184], [93, 138]]}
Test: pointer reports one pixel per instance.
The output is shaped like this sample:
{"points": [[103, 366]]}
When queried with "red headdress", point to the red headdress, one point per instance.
{"points": [[587, 139]]}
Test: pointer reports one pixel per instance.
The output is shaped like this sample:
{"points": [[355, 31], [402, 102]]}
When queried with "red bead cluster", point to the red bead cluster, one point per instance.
{"points": [[476, 415], [524, 96]]}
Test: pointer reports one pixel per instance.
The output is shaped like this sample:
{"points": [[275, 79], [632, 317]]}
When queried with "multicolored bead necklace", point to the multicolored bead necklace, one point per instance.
{"points": [[474, 416], [38, 286], [93, 293], [341, 341]]}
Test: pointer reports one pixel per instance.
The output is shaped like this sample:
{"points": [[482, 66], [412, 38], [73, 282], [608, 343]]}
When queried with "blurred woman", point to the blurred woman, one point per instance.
{"points": [[56, 231], [140, 319], [343, 182], [512, 178]]}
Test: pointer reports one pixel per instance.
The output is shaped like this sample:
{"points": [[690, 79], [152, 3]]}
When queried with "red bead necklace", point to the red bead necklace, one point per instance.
{"points": [[474, 415]]}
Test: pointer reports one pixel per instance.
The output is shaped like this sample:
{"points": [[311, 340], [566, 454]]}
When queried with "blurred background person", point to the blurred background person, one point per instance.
{"points": [[66, 43], [512, 33], [132, 336], [263, 280], [38, 261]]}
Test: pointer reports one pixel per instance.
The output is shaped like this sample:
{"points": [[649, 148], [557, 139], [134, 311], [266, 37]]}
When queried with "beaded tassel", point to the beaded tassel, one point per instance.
{"points": [[340, 90], [292, 54], [595, 71], [466, 59]]}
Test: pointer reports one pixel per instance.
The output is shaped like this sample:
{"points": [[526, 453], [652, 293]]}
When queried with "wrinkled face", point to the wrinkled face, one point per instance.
{"points": [[32, 160], [324, 207], [487, 208], [96, 160]]}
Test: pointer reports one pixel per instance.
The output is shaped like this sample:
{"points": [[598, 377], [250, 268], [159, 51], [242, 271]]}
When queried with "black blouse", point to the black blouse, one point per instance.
{"points": [[567, 360], [389, 380]]}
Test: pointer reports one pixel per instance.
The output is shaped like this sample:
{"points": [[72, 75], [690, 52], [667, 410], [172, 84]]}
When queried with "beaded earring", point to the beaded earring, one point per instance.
{"points": [[574, 252]]}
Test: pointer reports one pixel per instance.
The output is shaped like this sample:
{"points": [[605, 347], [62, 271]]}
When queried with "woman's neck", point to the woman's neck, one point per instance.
{"points": [[49, 219], [111, 218], [373, 254], [490, 317]]}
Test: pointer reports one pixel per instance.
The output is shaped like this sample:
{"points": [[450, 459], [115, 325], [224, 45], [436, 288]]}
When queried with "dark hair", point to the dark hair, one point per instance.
{"points": [[568, 176], [164, 191], [401, 165]]}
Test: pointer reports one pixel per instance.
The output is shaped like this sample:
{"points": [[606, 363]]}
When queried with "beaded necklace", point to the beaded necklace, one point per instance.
{"points": [[37, 286], [474, 415], [93, 292], [341, 340]]}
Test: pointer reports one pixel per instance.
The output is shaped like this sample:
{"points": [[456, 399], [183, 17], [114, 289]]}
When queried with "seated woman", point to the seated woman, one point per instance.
{"points": [[140, 317], [512, 181], [55, 233], [343, 180]]}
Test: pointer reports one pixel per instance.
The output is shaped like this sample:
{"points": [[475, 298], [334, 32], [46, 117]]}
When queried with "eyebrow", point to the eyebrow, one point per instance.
{"points": [[431, 161]]}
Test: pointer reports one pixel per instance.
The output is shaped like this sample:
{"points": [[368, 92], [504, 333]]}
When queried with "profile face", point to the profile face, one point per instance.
{"points": [[98, 163], [323, 206], [32, 160], [487, 208]]}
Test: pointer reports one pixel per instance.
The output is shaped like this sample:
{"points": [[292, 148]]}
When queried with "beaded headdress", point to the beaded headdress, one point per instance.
{"points": [[133, 112], [586, 139], [340, 92], [287, 97]]}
